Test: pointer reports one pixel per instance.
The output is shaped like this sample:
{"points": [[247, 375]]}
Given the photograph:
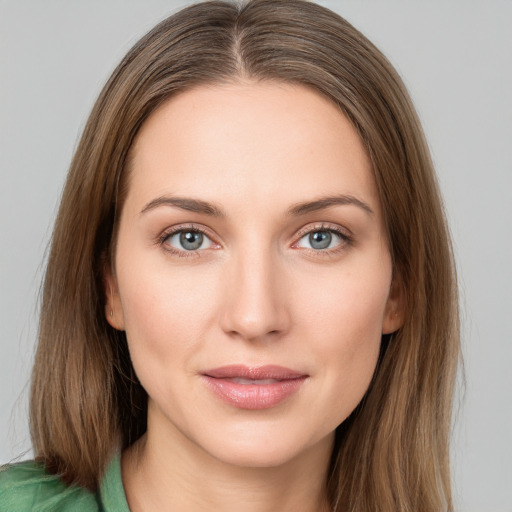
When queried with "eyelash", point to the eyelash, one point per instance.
{"points": [[176, 252], [345, 240]]}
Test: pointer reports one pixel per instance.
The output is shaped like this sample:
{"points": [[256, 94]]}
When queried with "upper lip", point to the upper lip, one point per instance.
{"points": [[254, 372]]}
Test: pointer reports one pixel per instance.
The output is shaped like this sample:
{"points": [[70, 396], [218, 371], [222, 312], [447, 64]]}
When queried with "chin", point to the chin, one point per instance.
{"points": [[266, 451], [256, 456]]}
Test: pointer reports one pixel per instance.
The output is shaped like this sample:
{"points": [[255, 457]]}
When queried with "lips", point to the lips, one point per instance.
{"points": [[260, 387]]}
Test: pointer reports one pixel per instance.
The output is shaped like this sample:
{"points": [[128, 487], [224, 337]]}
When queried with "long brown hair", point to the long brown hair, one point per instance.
{"points": [[392, 453]]}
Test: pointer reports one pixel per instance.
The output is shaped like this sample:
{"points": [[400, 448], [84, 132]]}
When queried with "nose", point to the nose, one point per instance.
{"points": [[255, 291]]}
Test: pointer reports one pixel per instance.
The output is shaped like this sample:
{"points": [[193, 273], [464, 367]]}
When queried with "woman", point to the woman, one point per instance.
{"points": [[250, 298]]}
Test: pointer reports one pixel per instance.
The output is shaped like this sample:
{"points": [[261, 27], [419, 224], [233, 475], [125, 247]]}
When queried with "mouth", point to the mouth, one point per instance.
{"points": [[249, 387]]}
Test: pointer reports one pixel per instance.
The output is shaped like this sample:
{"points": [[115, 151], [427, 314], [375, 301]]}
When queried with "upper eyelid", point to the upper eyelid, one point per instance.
{"points": [[187, 227], [195, 227], [344, 232]]}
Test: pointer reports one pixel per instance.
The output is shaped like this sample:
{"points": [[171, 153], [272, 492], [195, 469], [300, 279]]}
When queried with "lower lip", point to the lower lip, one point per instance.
{"points": [[253, 396]]}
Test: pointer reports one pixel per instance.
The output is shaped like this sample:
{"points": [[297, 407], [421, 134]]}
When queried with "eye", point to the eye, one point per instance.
{"points": [[323, 238], [186, 240]]}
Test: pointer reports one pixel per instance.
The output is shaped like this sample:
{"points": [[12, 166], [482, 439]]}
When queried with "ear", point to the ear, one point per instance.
{"points": [[394, 313], [113, 306]]}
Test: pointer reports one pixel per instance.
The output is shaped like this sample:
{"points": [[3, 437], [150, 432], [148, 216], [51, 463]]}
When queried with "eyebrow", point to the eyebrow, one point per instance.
{"points": [[296, 210], [326, 202], [185, 203]]}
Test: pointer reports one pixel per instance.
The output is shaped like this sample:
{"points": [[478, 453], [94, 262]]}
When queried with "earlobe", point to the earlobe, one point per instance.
{"points": [[113, 307], [394, 314]]}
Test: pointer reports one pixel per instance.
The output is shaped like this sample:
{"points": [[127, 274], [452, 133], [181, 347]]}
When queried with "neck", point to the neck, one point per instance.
{"points": [[171, 474]]}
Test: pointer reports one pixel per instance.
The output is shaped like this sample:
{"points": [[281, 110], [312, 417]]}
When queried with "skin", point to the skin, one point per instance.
{"points": [[256, 292]]}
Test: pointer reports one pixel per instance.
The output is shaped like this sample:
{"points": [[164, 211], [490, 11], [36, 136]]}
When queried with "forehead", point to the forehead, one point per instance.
{"points": [[251, 142]]}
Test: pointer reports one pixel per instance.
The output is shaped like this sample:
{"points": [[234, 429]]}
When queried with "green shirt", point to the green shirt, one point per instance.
{"points": [[28, 487]]}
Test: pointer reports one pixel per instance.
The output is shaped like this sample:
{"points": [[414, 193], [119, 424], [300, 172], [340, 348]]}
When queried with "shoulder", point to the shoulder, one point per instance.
{"points": [[26, 486]]}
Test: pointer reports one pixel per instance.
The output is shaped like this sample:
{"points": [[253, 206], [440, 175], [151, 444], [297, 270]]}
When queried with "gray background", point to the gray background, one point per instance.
{"points": [[455, 57]]}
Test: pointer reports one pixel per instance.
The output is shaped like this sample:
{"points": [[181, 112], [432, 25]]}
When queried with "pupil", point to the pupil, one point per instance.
{"points": [[320, 239], [191, 240]]}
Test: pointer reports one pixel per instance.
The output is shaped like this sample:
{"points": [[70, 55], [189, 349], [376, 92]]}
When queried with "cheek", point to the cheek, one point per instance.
{"points": [[347, 304], [344, 320], [165, 319]]}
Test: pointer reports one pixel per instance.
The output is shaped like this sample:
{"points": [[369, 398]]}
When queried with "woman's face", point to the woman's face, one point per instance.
{"points": [[253, 274]]}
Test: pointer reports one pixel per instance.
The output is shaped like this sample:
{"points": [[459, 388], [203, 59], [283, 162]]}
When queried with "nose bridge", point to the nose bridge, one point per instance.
{"points": [[255, 303]]}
